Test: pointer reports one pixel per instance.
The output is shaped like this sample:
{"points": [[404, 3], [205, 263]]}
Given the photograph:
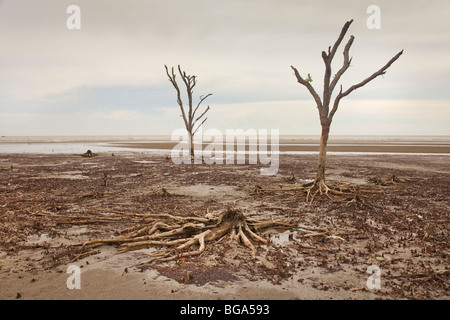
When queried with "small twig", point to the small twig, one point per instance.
{"points": [[90, 221], [314, 234], [78, 256], [125, 213], [424, 276]]}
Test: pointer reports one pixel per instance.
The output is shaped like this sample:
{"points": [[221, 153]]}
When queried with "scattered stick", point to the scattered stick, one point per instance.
{"points": [[123, 213], [307, 246], [84, 254], [94, 221], [96, 194], [423, 277]]}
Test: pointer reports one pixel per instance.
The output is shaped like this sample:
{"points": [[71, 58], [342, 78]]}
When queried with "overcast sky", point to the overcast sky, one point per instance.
{"points": [[108, 77]]}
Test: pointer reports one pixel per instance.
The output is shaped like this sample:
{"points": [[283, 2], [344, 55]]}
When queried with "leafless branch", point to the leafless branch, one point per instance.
{"points": [[344, 30], [323, 104], [200, 125], [345, 65], [180, 102], [202, 98], [328, 58], [199, 117], [362, 83], [309, 87]]}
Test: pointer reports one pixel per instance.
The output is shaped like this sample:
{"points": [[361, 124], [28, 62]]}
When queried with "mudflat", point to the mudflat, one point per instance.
{"points": [[396, 220]]}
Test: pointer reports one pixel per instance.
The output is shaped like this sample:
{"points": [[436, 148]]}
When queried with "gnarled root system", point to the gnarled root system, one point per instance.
{"points": [[176, 235]]}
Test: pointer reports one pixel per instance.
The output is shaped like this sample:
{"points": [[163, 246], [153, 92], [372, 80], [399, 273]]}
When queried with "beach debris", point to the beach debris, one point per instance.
{"points": [[165, 193], [88, 154], [357, 200], [179, 234], [292, 178], [257, 190], [389, 181], [105, 179], [96, 194], [189, 276]]}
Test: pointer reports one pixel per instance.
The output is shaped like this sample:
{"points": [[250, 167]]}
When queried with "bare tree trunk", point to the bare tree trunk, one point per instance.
{"points": [[191, 145], [320, 174]]}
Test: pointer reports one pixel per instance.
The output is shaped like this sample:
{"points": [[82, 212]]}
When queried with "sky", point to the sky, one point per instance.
{"points": [[108, 77]]}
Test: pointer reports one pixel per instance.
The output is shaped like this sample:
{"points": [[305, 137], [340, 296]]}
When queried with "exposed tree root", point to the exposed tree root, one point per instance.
{"points": [[179, 234], [315, 188], [311, 189], [332, 187], [165, 193], [356, 200], [89, 154]]}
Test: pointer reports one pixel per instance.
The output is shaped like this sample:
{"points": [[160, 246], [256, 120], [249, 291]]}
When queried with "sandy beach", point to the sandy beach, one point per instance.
{"points": [[49, 202]]}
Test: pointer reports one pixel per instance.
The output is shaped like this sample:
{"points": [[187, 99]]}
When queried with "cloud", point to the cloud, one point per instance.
{"points": [[354, 117], [241, 52], [297, 117], [121, 115]]}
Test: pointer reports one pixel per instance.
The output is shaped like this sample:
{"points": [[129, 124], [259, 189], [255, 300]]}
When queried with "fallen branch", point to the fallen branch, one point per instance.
{"points": [[82, 255], [93, 221]]}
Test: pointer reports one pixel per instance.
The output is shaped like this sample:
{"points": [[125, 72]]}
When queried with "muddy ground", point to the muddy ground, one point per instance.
{"points": [[50, 202]]}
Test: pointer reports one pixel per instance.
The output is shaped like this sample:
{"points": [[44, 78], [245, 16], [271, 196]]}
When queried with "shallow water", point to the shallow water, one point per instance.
{"points": [[66, 148], [162, 144]]}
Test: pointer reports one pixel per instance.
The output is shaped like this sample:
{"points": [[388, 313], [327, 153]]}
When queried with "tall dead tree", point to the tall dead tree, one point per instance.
{"points": [[323, 105], [190, 115]]}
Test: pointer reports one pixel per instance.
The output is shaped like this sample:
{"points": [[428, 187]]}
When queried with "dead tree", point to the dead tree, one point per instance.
{"points": [[323, 105], [190, 117]]}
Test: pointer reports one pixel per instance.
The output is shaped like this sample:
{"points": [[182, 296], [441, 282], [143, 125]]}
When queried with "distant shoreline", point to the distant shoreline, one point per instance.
{"points": [[167, 138], [309, 144], [314, 148]]}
